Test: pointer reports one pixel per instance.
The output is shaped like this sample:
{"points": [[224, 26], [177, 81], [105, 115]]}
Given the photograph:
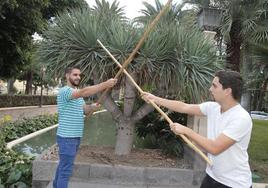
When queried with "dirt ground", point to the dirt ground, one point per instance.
{"points": [[137, 157]]}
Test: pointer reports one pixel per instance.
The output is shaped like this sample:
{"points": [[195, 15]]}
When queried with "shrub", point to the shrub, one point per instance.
{"points": [[154, 127], [17, 129], [25, 100], [16, 168]]}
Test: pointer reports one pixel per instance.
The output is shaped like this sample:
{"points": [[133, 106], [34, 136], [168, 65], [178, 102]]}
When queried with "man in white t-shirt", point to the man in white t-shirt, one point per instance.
{"points": [[228, 131]]}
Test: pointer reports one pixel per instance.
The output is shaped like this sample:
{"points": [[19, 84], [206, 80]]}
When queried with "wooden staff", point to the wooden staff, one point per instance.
{"points": [[156, 107], [131, 56]]}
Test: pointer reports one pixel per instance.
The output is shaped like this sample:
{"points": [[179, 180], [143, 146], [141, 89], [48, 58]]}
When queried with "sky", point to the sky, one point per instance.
{"points": [[132, 7]]}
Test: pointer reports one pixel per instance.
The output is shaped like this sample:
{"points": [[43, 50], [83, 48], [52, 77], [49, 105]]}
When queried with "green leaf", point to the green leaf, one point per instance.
{"points": [[14, 176], [18, 185]]}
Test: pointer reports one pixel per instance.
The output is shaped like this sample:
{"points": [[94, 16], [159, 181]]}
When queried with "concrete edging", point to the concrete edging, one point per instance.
{"points": [[44, 170]]}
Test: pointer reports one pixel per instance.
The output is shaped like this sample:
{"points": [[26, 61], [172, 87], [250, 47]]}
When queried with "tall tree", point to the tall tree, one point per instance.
{"points": [[244, 22], [19, 20], [258, 77], [172, 60]]}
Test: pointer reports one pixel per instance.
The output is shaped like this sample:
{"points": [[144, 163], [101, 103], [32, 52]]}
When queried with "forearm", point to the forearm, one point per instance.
{"points": [[91, 90], [173, 105], [215, 146], [87, 109], [201, 141], [91, 108]]}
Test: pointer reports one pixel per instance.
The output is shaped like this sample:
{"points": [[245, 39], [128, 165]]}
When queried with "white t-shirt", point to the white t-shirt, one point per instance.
{"points": [[230, 167]]}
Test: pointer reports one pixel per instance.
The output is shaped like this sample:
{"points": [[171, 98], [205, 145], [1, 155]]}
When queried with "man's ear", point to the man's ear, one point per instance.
{"points": [[228, 91]]}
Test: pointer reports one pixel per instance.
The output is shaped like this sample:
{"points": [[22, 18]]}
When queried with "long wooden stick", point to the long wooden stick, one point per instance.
{"points": [[156, 107], [139, 44]]}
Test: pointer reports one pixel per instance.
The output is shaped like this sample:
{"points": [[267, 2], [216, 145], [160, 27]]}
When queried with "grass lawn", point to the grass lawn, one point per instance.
{"points": [[258, 150]]}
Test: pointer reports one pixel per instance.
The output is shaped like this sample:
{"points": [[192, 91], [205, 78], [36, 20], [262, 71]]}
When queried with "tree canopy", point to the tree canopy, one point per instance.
{"points": [[176, 59], [19, 20]]}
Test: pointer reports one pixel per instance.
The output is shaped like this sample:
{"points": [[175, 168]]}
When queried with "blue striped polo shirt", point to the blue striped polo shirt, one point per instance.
{"points": [[71, 114]]}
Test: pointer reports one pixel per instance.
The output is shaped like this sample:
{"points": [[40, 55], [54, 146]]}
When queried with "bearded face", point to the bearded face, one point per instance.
{"points": [[74, 77]]}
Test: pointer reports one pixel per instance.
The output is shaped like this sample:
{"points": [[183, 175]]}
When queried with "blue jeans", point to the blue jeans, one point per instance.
{"points": [[68, 148]]}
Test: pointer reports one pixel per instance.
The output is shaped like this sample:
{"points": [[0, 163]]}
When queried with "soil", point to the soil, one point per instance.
{"points": [[137, 157]]}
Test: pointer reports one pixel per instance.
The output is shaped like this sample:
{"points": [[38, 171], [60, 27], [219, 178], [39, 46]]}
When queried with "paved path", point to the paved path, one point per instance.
{"points": [[103, 185], [260, 185]]}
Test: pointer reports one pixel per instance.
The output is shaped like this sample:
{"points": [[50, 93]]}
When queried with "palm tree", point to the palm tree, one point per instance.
{"points": [[150, 12], [173, 60], [244, 22], [258, 76]]}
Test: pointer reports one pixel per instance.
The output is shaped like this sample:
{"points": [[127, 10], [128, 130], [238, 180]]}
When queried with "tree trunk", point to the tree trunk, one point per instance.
{"points": [[233, 47], [246, 69], [254, 99], [108, 102], [35, 89], [112, 108], [29, 83], [245, 100], [10, 86], [124, 136], [262, 94], [125, 130], [130, 96]]}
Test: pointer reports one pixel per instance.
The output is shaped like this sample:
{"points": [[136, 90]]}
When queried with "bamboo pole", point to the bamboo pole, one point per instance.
{"points": [[139, 44], [156, 107]]}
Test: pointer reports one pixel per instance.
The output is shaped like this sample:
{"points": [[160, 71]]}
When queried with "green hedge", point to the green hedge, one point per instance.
{"points": [[25, 100], [20, 128]]}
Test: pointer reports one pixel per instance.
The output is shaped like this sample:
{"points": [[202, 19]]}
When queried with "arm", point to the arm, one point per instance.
{"points": [[92, 107], [177, 106], [91, 90], [215, 147]]}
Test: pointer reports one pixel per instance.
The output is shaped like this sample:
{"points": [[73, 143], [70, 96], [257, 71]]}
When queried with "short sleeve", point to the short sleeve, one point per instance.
{"points": [[66, 93], [238, 128], [206, 107]]}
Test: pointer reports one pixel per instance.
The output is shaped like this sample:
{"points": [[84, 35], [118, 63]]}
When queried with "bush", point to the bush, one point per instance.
{"points": [[16, 168], [154, 127], [20, 128]]}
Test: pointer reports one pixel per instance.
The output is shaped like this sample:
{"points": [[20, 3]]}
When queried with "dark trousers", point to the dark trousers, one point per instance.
{"points": [[209, 182]]}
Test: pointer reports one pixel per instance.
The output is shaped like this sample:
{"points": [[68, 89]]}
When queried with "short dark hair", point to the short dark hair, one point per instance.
{"points": [[68, 70], [233, 80]]}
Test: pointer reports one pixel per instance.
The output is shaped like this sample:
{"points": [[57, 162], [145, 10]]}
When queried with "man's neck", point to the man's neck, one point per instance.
{"points": [[228, 104], [71, 85]]}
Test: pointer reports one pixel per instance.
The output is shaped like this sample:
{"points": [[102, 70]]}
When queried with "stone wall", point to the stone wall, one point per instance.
{"points": [[199, 125]]}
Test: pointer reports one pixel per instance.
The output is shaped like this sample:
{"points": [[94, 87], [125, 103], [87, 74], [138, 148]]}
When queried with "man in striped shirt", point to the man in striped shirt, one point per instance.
{"points": [[71, 110]]}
